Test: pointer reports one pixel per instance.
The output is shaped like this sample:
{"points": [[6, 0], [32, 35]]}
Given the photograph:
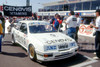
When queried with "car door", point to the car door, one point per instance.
{"points": [[16, 31], [23, 35]]}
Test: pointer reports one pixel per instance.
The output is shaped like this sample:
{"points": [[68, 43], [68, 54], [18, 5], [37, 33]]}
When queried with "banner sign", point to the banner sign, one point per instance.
{"points": [[46, 14], [1, 8], [62, 13], [17, 10], [89, 14], [85, 30], [80, 13]]}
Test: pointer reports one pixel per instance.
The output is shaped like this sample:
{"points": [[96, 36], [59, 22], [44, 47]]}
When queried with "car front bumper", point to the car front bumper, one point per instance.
{"points": [[58, 55]]}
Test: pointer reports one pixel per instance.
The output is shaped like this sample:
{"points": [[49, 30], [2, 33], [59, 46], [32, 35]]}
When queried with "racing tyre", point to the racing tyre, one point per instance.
{"points": [[32, 53]]}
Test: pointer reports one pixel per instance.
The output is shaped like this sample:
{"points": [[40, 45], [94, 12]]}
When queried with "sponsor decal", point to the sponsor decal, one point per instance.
{"points": [[24, 35], [82, 29], [85, 30], [50, 48], [88, 30], [63, 46], [89, 14], [53, 35], [57, 41]]}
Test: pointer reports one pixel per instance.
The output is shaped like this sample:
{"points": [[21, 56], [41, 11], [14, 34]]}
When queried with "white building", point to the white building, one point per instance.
{"points": [[86, 8]]}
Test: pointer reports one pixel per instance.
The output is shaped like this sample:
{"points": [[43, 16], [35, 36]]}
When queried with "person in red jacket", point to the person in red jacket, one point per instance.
{"points": [[57, 22], [59, 19]]}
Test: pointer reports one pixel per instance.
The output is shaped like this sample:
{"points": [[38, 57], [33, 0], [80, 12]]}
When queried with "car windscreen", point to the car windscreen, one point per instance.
{"points": [[41, 29]]}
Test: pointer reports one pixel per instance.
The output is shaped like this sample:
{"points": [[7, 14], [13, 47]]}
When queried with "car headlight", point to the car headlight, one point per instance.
{"points": [[73, 44], [51, 47]]}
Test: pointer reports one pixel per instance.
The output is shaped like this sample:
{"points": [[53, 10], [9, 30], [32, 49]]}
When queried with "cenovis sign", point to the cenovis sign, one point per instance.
{"points": [[17, 10]]}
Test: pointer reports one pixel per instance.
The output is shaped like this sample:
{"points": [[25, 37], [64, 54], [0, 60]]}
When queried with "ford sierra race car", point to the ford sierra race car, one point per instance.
{"points": [[42, 42]]}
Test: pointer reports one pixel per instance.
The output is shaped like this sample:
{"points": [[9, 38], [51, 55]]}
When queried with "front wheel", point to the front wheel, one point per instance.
{"points": [[32, 53]]}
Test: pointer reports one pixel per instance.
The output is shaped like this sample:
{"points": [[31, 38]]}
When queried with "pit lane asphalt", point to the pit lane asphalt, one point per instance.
{"points": [[16, 56]]}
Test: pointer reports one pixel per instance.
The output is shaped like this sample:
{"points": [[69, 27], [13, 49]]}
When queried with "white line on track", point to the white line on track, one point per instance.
{"points": [[86, 63], [89, 66]]}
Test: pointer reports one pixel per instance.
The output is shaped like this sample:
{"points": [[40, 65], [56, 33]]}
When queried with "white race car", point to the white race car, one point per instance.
{"points": [[42, 42]]}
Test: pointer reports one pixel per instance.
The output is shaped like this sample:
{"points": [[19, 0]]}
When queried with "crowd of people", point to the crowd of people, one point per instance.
{"points": [[72, 26]]}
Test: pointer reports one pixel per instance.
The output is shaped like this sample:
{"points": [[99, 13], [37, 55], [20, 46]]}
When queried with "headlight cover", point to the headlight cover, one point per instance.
{"points": [[51, 47], [71, 45]]}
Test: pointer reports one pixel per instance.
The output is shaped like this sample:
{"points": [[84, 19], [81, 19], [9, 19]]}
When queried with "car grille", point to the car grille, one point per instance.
{"points": [[63, 56], [63, 47]]}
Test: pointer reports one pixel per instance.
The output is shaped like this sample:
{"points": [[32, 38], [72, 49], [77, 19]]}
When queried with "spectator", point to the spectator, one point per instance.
{"points": [[97, 38], [35, 16], [52, 20], [71, 23], [78, 25], [60, 21], [3, 21], [1, 31], [82, 20], [92, 22], [7, 26], [57, 21], [10, 19], [14, 21]]}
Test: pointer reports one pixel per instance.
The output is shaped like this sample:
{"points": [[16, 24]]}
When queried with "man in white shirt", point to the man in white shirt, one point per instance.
{"points": [[97, 38], [78, 25], [71, 23], [7, 25]]}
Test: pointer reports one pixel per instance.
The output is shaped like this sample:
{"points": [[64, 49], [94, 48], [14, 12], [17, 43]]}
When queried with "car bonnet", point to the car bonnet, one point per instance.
{"points": [[52, 38]]}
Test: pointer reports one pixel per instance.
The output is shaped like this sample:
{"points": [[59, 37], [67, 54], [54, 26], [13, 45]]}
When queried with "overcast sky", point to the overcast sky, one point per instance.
{"points": [[36, 4]]}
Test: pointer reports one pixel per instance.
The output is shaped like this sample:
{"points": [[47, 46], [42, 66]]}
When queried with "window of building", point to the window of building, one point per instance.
{"points": [[48, 8], [95, 5], [52, 8], [86, 5], [61, 7], [72, 7], [66, 7], [45, 9], [40, 10], [78, 6], [56, 8]]}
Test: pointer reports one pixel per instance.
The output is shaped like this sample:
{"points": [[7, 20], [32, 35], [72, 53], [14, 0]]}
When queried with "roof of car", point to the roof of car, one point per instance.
{"points": [[30, 21]]}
